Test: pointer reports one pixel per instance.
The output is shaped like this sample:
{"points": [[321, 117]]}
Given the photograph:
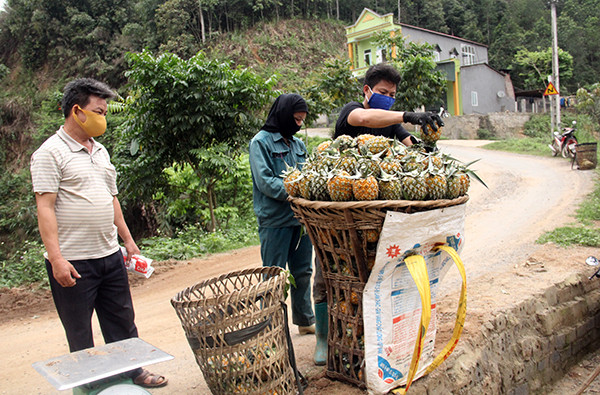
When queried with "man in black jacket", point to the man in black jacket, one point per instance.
{"points": [[373, 115]]}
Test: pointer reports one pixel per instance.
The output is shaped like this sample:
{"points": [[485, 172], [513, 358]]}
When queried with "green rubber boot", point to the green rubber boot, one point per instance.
{"points": [[321, 330]]}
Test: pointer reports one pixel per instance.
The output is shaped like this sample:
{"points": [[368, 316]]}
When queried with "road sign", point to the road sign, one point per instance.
{"points": [[550, 90]]}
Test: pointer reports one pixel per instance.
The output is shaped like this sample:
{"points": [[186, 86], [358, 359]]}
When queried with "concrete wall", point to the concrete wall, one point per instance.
{"points": [[490, 89], [500, 125]]}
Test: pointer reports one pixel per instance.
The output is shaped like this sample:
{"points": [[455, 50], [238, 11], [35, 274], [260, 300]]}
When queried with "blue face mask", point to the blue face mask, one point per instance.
{"points": [[380, 101]]}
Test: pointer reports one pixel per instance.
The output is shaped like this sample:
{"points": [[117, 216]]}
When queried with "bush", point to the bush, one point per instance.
{"points": [[4, 71], [18, 215], [193, 241], [538, 126], [484, 134], [25, 266]]}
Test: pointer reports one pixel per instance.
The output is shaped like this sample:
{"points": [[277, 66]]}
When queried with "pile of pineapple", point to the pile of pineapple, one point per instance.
{"points": [[372, 167]]}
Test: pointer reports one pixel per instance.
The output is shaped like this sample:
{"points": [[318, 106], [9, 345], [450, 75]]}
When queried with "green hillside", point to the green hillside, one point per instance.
{"points": [[294, 49]]}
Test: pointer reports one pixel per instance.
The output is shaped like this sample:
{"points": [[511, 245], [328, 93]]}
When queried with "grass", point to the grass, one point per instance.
{"points": [[531, 146], [585, 231]]}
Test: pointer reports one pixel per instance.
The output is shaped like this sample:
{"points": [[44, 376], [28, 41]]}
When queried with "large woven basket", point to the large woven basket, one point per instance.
{"points": [[235, 325], [345, 236], [586, 156]]}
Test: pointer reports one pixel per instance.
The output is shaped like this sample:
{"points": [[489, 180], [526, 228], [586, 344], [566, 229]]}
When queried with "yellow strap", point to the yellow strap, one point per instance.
{"points": [[461, 312], [418, 269]]}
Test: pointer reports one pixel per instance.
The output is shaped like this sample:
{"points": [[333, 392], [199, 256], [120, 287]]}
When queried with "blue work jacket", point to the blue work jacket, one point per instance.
{"points": [[268, 157]]}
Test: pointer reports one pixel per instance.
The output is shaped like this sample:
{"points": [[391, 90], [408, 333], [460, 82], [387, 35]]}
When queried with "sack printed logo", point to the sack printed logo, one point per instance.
{"points": [[393, 251], [387, 373]]}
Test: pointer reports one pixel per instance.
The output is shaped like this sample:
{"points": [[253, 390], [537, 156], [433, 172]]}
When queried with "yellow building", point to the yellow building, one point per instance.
{"points": [[485, 89]]}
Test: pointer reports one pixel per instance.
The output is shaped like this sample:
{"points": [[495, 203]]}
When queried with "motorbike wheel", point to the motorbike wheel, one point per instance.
{"points": [[568, 150], [556, 148]]}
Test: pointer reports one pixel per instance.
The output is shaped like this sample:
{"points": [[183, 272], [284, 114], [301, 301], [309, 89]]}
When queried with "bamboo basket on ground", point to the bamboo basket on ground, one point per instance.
{"points": [[586, 156], [236, 327], [345, 236]]}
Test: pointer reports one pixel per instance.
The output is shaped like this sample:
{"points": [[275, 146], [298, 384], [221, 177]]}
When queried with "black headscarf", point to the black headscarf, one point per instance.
{"points": [[281, 116]]}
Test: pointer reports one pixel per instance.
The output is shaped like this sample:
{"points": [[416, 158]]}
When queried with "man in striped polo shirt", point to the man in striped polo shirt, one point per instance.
{"points": [[80, 219]]}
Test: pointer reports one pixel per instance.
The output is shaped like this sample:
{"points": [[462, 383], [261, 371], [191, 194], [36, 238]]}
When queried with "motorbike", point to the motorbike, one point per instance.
{"points": [[564, 143]]}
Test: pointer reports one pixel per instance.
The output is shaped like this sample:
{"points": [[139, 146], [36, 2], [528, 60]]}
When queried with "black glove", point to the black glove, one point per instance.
{"points": [[423, 119]]}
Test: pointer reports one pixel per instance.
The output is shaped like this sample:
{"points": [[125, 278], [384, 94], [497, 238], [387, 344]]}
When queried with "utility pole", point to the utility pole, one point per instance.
{"points": [[555, 78]]}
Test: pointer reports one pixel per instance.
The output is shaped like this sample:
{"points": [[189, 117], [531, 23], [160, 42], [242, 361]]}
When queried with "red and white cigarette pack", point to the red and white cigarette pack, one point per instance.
{"points": [[138, 264]]}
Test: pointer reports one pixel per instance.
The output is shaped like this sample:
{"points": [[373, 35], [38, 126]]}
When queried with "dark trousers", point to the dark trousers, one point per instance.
{"points": [[319, 290], [103, 287], [287, 246]]}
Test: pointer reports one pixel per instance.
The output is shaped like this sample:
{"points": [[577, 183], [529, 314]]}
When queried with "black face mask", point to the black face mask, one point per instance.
{"points": [[281, 116]]}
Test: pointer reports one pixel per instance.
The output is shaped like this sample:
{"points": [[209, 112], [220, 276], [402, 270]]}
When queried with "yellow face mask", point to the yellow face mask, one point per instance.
{"points": [[94, 125]]}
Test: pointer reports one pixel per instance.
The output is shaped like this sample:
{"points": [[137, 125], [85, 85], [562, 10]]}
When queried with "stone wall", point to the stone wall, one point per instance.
{"points": [[524, 349], [498, 125]]}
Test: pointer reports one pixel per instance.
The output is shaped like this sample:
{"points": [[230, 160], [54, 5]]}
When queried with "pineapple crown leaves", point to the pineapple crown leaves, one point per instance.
{"points": [[343, 142], [288, 170], [465, 169], [324, 152], [413, 174], [340, 173], [397, 147], [388, 177]]}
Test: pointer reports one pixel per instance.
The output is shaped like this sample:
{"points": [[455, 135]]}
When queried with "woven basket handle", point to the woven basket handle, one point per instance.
{"points": [[231, 338]]}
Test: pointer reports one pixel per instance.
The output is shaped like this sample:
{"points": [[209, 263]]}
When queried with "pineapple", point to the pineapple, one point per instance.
{"points": [[391, 166], [340, 187], [414, 161], [435, 160], [414, 186], [430, 136], [323, 147], [369, 165], [458, 185], [398, 150], [304, 185], [343, 142], [390, 188], [365, 188], [324, 163], [348, 169], [348, 161], [362, 139], [377, 144], [437, 185], [291, 181], [318, 186], [458, 180]]}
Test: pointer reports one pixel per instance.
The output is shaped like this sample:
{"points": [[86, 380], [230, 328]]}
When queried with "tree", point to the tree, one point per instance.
{"points": [[335, 87], [421, 84], [588, 101], [536, 66], [198, 112]]}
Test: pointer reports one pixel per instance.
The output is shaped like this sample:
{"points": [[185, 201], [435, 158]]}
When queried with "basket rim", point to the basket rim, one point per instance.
{"points": [[377, 204], [179, 299]]}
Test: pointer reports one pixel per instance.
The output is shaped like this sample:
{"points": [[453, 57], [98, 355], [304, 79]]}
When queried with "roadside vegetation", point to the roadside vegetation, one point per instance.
{"points": [[585, 229]]}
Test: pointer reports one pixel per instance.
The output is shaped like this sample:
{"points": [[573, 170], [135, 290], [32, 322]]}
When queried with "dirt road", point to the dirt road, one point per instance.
{"points": [[526, 196]]}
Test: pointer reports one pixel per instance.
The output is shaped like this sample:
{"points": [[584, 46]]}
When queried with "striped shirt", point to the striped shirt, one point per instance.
{"points": [[85, 185]]}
